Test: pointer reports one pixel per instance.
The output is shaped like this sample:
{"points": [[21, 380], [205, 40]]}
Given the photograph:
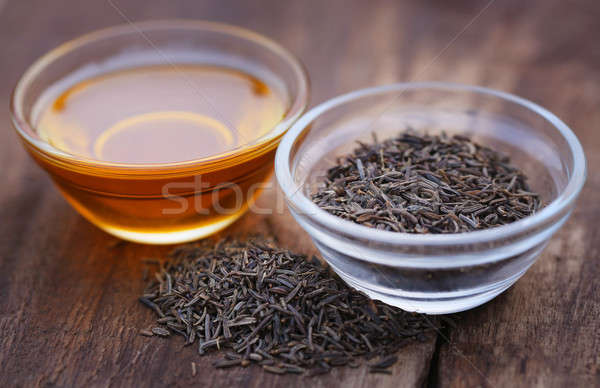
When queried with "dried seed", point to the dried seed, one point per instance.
{"points": [[161, 331], [227, 363], [412, 183], [222, 298], [274, 369]]}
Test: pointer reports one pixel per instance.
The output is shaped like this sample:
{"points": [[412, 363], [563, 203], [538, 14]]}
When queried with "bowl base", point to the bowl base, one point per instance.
{"points": [[435, 304], [174, 237]]}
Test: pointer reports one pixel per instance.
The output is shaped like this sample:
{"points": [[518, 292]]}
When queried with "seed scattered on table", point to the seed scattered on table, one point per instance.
{"points": [[258, 304], [162, 332]]}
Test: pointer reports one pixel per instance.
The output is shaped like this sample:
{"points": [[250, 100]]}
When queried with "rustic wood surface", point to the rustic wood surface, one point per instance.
{"points": [[69, 314]]}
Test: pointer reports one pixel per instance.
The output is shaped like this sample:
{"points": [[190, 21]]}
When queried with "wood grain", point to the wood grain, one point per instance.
{"points": [[68, 309]]}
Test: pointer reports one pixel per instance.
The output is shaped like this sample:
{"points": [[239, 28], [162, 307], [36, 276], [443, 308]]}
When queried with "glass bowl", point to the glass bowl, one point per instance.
{"points": [[441, 273], [161, 203]]}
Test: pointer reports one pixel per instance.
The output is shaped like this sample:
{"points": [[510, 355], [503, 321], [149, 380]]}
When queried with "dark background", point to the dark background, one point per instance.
{"points": [[68, 309]]}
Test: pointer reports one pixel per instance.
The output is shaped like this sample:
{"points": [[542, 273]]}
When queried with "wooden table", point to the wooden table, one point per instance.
{"points": [[69, 314]]}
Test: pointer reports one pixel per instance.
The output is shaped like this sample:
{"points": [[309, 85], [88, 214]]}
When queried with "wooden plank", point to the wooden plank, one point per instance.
{"points": [[544, 331], [68, 309]]}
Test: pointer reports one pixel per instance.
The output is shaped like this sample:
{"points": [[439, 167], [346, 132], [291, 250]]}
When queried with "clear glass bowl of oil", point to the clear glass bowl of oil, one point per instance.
{"points": [[160, 132]]}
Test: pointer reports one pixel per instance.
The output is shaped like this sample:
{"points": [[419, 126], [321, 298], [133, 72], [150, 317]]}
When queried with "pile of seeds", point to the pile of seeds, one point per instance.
{"points": [[426, 184], [258, 304]]}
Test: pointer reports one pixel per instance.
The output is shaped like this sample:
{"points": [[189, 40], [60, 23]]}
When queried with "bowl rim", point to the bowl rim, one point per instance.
{"points": [[306, 207], [297, 106]]}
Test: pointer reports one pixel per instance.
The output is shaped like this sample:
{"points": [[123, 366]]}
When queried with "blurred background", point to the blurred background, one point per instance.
{"points": [[528, 48]]}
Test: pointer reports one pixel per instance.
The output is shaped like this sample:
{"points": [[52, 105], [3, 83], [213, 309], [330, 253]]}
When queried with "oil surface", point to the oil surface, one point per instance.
{"points": [[160, 114]]}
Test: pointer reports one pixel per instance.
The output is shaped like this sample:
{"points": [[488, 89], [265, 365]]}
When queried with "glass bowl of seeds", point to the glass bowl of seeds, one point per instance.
{"points": [[431, 197]]}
